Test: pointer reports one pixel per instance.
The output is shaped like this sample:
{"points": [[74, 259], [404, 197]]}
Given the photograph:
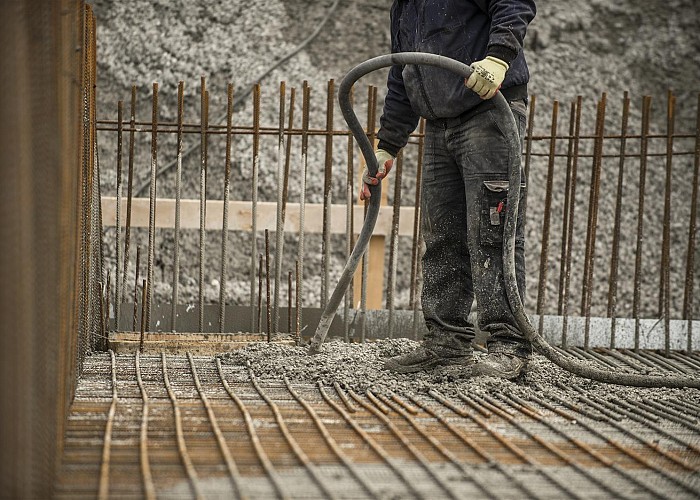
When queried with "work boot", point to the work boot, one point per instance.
{"points": [[501, 365], [424, 358]]}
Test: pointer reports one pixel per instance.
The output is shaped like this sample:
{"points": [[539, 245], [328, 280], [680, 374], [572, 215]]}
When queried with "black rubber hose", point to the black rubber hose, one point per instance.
{"points": [[511, 285]]}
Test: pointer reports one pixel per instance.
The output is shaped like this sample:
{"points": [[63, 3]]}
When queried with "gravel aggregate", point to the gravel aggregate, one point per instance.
{"points": [[360, 367]]}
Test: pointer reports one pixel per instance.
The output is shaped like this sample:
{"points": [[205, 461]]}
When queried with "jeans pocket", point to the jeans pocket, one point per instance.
{"points": [[494, 196]]}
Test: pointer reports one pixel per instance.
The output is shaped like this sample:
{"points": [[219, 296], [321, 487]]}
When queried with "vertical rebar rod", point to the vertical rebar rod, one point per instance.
{"points": [[297, 297], [665, 285], [260, 281], [178, 198], [268, 304], [224, 228], [575, 108], [118, 257], [302, 202], [692, 232], [101, 300], [567, 203], [144, 303], [646, 111], [136, 288], [362, 324], [327, 196], [614, 258], [279, 227], [394, 244], [107, 304], [254, 200], [546, 217], [202, 195], [129, 189], [289, 302], [589, 262], [371, 124], [349, 227], [415, 247], [152, 203]]}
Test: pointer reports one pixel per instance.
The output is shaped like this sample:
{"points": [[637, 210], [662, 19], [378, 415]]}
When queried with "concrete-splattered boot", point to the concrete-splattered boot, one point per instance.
{"points": [[436, 350], [501, 365]]}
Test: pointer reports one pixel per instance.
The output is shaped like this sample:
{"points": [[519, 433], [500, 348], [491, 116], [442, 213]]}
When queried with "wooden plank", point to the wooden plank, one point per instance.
{"points": [[240, 216], [180, 343]]}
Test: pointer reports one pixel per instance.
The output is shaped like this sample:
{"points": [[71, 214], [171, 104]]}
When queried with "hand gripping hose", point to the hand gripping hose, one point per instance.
{"points": [[511, 285]]}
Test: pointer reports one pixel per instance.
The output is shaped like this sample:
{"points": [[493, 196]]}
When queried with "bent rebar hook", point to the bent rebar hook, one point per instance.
{"points": [[510, 282]]}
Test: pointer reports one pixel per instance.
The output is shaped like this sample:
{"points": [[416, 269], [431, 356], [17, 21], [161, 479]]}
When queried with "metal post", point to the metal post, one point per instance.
{"points": [[117, 282], [572, 205], [349, 233], [614, 258], [130, 187], [589, 262], [152, 204], [665, 289], [646, 112], [178, 196], [544, 251], [224, 229], [279, 228], [327, 195], [254, 200], [394, 243], [203, 123], [302, 202]]}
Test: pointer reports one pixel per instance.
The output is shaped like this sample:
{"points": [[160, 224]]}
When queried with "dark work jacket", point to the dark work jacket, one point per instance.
{"points": [[459, 29]]}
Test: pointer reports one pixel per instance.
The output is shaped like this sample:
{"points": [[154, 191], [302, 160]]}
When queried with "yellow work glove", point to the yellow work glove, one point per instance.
{"points": [[385, 161], [487, 77]]}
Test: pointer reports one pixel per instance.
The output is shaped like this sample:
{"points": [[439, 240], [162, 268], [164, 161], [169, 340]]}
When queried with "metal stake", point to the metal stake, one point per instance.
{"points": [[117, 283], [254, 199], [665, 288], [327, 196], [204, 122], [646, 111], [279, 228], [152, 203], [612, 289], [130, 187], [544, 251], [178, 195], [224, 229]]}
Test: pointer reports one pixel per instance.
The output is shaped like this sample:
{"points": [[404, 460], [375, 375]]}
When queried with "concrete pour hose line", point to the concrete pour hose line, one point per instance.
{"points": [[538, 343]]}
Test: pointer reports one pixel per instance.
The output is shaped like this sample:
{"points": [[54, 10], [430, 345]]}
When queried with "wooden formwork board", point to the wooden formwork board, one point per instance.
{"points": [[180, 343]]}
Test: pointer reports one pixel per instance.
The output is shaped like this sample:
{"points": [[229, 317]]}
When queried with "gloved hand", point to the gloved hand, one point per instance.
{"points": [[385, 161], [487, 77]]}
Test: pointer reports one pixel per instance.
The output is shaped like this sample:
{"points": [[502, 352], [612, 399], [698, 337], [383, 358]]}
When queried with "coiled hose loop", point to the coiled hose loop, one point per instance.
{"points": [[511, 286]]}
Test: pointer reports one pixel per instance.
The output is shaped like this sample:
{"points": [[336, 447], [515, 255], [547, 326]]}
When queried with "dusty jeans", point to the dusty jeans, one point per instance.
{"points": [[465, 179]]}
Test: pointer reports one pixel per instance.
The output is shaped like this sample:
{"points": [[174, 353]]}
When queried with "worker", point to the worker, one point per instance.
{"points": [[465, 173]]}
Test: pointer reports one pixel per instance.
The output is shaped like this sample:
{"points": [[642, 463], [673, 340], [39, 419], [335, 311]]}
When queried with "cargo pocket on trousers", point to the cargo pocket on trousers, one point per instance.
{"points": [[494, 196]]}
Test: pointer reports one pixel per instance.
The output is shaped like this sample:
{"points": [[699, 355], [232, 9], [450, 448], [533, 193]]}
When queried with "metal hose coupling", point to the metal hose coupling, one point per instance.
{"points": [[511, 286]]}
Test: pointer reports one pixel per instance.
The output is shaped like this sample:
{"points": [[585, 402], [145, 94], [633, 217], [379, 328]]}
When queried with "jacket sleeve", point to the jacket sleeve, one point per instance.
{"points": [[509, 21], [398, 119]]}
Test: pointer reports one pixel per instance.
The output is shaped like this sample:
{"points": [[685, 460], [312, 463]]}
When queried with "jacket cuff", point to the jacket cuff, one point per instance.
{"points": [[502, 52], [389, 148]]}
